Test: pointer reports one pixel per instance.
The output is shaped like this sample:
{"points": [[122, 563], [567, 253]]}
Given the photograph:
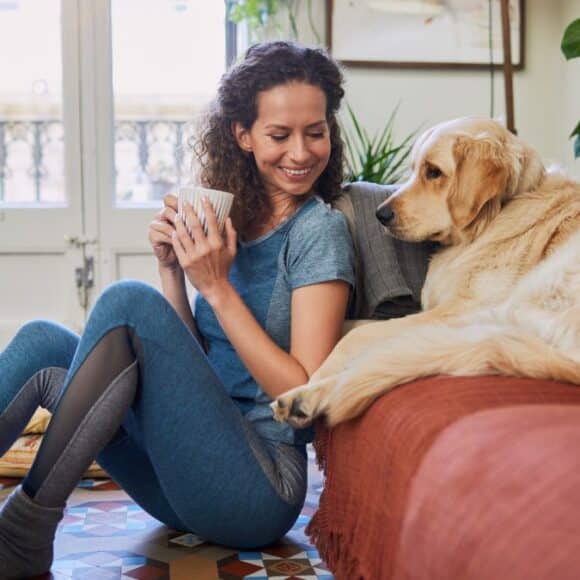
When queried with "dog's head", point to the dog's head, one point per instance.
{"points": [[462, 173]]}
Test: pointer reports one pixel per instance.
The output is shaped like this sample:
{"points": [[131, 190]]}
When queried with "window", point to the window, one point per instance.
{"points": [[167, 58], [167, 61], [31, 129]]}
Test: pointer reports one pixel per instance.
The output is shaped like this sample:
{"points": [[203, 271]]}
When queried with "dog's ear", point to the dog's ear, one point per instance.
{"points": [[532, 170], [481, 174]]}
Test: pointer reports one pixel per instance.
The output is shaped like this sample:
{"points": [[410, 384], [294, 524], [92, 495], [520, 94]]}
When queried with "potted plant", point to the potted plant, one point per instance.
{"points": [[262, 17], [571, 49], [378, 159]]}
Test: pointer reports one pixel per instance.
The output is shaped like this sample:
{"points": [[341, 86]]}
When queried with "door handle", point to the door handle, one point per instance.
{"points": [[85, 274], [79, 241], [85, 280]]}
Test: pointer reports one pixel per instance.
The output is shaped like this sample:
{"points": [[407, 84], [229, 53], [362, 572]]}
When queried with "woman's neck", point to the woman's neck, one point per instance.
{"points": [[283, 207]]}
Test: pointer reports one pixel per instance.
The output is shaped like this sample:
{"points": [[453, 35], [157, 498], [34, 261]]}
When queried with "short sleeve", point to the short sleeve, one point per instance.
{"points": [[320, 249]]}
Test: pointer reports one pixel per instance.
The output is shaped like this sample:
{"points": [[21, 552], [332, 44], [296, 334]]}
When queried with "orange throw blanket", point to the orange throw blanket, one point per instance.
{"points": [[370, 464]]}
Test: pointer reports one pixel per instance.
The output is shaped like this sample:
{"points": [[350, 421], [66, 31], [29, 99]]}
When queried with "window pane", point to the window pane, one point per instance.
{"points": [[167, 60], [31, 130]]}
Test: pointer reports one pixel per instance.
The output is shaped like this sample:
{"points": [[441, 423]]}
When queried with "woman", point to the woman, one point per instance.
{"points": [[176, 407]]}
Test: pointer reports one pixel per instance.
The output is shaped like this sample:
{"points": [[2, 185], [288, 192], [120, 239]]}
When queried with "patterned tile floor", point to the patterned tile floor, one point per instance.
{"points": [[105, 536]]}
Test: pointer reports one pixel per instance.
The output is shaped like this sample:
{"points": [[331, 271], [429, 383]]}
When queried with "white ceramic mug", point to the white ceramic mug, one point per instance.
{"points": [[220, 200]]}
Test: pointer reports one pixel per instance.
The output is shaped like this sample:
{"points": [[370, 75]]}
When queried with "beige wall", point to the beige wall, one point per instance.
{"points": [[547, 91]]}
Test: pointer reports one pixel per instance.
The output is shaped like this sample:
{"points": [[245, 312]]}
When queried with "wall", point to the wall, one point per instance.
{"points": [[546, 92]]}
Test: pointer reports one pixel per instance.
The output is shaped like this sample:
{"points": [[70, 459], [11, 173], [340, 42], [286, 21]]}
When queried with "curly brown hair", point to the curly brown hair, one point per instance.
{"points": [[224, 165]]}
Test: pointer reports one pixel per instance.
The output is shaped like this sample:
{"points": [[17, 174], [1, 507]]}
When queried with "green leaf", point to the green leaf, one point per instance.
{"points": [[256, 13], [576, 144], [235, 14], [388, 130], [378, 159], [571, 40], [360, 133]]}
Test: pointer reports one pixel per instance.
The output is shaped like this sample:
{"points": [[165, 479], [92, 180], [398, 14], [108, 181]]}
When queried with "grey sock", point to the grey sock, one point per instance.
{"points": [[26, 536]]}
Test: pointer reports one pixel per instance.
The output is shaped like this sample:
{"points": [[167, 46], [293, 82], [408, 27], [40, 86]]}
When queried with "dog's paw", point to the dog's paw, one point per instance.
{"points": [[299, 407]]}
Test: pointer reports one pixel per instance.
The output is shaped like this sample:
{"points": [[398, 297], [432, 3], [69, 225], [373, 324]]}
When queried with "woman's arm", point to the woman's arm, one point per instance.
{"points": [[172, 277], [173, 288], [318, 313]]}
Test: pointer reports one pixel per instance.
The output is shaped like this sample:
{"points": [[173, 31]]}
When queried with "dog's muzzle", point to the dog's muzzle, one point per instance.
{"points": [[385, 214]]}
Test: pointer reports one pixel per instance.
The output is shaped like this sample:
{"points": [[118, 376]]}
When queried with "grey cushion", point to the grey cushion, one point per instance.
{"points": [[391, 272]]}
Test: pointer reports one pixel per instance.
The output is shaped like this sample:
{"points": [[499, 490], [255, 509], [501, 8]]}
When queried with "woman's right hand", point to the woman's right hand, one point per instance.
{"points": [[160, 232]]}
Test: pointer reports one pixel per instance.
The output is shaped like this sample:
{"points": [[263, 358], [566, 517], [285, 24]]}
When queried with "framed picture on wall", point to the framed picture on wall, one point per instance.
{"points": [[423, 33]]}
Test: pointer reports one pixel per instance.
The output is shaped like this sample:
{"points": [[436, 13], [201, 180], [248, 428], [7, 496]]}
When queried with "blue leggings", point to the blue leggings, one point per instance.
{"points": [[181, 448]]}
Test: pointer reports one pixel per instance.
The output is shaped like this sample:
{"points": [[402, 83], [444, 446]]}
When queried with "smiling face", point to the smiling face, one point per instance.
{"points": [[290, 139]]}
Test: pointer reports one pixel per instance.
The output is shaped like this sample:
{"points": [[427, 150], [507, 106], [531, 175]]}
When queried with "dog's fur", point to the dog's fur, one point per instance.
{"points": [[501, 296]]}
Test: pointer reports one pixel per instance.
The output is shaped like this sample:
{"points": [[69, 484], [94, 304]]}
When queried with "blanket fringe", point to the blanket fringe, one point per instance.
{"points": [[320, 444], [335, 550]]}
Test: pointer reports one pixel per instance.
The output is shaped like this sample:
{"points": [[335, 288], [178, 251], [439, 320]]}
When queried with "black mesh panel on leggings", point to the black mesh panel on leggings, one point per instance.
{"points": [[88, 415], [41, 389]]}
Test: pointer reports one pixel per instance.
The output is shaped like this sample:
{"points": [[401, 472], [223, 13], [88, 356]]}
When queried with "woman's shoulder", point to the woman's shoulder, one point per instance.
{"points": [[319, 246], [320, 235], [319, 219]]}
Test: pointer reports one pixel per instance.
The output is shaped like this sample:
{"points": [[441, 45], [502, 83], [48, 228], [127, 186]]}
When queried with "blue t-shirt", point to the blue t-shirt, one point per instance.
{"points": [[312, 246]]}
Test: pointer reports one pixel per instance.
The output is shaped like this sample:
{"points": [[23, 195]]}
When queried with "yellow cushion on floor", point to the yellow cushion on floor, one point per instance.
{"points": [[38, 422]]}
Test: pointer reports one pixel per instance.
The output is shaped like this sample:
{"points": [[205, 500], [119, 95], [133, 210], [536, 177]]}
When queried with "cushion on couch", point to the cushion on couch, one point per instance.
{"points": [[372, 461]]}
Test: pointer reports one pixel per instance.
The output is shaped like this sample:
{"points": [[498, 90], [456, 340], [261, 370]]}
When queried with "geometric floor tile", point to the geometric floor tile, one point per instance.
{"points": [[106, 519], [293, 564], [104, 535], [109, 564]]}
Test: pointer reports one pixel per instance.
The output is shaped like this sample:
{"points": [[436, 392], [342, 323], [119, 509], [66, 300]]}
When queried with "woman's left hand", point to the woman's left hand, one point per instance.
{"points": [[205, 259]]}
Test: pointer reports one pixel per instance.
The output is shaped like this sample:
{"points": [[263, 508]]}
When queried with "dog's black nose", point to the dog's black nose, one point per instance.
{"points": [[385, 214]]}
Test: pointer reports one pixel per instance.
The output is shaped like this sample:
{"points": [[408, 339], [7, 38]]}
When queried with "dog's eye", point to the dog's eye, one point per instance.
{"points": [[433, 172]]}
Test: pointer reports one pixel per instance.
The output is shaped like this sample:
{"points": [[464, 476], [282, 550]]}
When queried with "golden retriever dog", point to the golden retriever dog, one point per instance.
{"points": [[501, 296]]}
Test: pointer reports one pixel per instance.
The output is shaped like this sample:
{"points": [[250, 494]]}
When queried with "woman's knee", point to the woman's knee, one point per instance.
{"points": [[53, 341], [127, 292], [124, 300]]}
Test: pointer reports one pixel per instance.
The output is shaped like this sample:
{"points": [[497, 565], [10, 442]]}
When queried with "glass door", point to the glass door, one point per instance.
{"points": [[96, 110], [163, 66], [41, 202]]}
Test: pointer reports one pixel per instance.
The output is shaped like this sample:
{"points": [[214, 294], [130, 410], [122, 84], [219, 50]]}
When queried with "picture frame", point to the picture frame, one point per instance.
{"points": [[429, 34]]}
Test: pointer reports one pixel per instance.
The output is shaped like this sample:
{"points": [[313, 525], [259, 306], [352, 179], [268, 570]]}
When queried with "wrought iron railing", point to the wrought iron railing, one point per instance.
{"points": [[150, 159]]}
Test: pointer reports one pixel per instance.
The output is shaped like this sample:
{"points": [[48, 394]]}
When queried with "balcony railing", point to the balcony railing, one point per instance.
{"points": [[150, 159]]}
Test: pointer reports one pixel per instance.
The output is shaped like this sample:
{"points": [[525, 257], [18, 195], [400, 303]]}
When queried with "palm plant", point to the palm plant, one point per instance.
{"points": [[571, 49], [379, 159]]}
